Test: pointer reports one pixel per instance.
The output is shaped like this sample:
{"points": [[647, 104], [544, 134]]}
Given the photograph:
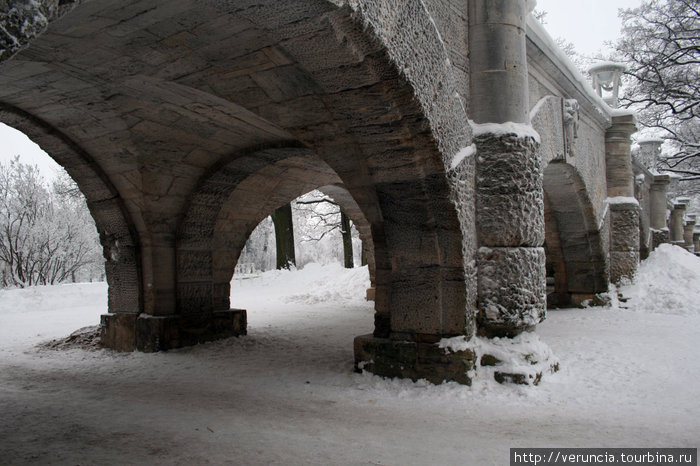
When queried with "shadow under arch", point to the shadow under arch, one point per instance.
{"points": [[371, 95], [117, 234], [350, 105], [576, 253]]}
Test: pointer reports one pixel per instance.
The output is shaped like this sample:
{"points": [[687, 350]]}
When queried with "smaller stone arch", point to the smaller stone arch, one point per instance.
{"points": [[229, 203], [117, 233], [576, 253]]}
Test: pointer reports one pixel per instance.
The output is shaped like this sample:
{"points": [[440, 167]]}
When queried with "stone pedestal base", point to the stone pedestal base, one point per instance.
{"points": [[413, 360], [143, 332], [520, 360]]}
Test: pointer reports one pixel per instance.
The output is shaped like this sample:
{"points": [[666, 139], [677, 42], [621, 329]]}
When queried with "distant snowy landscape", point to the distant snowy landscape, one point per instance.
{"points": [[287, 393]]}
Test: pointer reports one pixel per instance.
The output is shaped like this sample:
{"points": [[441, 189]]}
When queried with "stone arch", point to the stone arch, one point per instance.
{"points": [[173, 92], [225, 209], [346, 101], [576, 253], [117, 234], [231, 201]]}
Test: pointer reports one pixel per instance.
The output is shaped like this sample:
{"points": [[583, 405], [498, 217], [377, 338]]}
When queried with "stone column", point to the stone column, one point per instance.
{"points": [[688, 233], [498, 61], [509, 199], [624, 208], [658, 194], [677, 229], [696, 242]]}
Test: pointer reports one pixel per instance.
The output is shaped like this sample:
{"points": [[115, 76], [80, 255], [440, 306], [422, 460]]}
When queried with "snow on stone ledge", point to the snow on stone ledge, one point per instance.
{"points": [[464, 153], [622, 200], [524, 354], [521, 130], [618, 112]]}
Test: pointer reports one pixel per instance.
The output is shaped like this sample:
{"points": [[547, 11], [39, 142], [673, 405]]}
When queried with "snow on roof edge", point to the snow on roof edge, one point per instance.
{"points": [[536, 30]]}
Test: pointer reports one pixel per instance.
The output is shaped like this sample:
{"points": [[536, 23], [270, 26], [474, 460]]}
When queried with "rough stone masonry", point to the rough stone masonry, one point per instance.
{"points": [[479, 166]]}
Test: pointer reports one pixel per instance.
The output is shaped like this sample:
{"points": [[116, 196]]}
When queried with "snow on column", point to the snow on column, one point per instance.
{"points": [[509, 199], [624, 208]]}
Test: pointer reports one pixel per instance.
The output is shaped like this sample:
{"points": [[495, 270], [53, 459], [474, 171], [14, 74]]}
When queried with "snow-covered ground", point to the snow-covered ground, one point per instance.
{"points": [[286, 393]]}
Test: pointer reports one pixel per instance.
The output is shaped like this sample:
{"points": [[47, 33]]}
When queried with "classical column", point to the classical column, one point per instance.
{"points": [[677, 228], [659, 202], [696, 242], [624, 208], [688, 233]]}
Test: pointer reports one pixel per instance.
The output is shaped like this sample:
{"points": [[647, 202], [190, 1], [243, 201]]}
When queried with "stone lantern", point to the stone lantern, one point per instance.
{"points": [[606, 77], [649, 151]]}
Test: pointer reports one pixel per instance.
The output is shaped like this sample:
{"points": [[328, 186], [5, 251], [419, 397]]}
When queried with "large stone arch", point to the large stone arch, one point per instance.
{"points": [[117, 233], [163, 93], [576, 252], [348, 103]]}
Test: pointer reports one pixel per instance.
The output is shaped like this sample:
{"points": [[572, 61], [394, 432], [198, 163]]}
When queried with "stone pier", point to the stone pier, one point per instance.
{"points": [[624, 208], [688, 229], [659, 211], [676, 223]]}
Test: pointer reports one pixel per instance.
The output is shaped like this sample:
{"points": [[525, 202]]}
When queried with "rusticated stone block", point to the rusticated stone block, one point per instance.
{"points": [[413, 360], [659, 237], [160, 333], [129, 332], [509, 199], [624, 224], [623, 265], [512, 290], [117, 331]]}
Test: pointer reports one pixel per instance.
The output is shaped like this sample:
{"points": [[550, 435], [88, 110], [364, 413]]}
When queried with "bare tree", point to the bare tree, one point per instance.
{"points": [[284, 236], [326, 217], [45, 238], [661, 46]]}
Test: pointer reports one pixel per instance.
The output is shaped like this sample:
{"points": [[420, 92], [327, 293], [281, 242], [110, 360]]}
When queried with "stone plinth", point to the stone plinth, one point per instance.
{"points": [[413, 360], [129, 332], [624, 239]]}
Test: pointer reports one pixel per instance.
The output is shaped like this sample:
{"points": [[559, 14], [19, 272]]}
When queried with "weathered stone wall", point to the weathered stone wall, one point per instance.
{"points": [[415, 43], [202, 116], [572, 126], [23, 20], [552, 81]]}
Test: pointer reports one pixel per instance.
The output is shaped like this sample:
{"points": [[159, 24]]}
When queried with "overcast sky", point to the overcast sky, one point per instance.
{"points": [[586, 23]]}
